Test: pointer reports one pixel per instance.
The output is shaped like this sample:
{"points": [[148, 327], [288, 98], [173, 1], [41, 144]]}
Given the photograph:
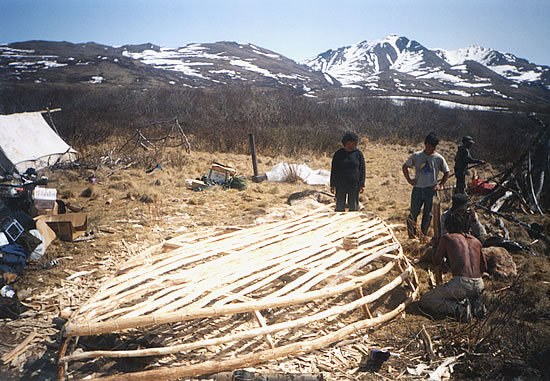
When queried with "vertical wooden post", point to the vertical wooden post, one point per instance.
{"points": [[436, 218], [253, 152], [256, 178]]}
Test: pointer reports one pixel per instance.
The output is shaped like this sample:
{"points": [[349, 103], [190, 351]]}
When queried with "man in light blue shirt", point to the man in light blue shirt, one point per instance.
{"points": [[427, 164]]}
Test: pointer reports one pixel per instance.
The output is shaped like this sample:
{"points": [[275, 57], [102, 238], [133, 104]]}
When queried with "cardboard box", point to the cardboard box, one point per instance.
{"points": [[197, 183], [223, 168], [44, 198], [217, 176], [46, 231], [220, 173], [67, 226], [33, 211]]}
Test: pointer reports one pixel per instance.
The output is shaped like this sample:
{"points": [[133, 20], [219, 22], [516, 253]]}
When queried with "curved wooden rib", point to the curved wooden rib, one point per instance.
{"points": [[336, 310], [209, 367], [199, 275]]}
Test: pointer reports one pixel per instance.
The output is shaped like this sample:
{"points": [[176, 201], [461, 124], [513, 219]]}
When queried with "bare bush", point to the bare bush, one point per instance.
{"points": [[511, 335], [283, 121]]}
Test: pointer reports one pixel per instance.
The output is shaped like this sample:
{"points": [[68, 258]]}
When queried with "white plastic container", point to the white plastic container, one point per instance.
{"points": [[44, 198]]}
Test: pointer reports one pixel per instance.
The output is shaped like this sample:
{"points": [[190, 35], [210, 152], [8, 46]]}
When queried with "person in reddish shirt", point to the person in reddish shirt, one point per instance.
{"points": [[467, 263]]}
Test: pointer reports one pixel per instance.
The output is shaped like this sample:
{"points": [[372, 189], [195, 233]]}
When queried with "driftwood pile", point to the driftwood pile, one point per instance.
{"points": [[523, 187], [212, 303], [159, 135]]}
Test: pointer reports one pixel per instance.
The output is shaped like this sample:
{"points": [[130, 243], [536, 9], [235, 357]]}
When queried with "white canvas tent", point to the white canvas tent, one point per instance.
{"points": [[26, 140]]}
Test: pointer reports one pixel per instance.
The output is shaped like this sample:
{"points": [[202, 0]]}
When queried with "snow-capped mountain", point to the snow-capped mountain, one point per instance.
{"points": [[193, 65], [394, 66], [358, 63], [505, 64], [397, 65]]}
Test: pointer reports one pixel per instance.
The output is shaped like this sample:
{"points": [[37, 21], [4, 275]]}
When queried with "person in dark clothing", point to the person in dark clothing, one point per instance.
{"points": [[462, 207], [462, 159], [347, 174]]}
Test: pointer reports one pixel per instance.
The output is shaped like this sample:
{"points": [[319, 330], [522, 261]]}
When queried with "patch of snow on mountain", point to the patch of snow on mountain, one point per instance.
{"points": [[96, 79], [250, 67], [350, 86], [49, 64], [461, 68], [392, 40], [473, 52], [170, 59], [257, 50], [354, 53], [452, 92], [468, 84], [442, 76], [348, 64], [347, 75], [498, 93], [14, 53], [21, 64], [151, 56], [408, 62], [228, 72], [505, 70], [400, 100], [512, 73], [291, 76], [270, 55]]}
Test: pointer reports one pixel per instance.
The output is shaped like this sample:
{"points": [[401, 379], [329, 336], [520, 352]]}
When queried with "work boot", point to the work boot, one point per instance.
{"points": [[478, 307], [463, 311]]}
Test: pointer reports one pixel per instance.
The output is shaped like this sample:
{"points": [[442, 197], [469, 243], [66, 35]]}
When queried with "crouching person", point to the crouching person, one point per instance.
{"points": [[461, 296]]}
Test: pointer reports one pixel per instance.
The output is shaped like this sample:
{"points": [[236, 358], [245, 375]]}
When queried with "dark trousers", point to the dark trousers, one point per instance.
{"points": [[349, 191], [420, 197], [460, 174]]}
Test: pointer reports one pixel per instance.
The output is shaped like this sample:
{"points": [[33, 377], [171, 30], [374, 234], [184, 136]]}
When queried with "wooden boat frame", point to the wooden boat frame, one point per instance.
{"points": [[288, 268]]}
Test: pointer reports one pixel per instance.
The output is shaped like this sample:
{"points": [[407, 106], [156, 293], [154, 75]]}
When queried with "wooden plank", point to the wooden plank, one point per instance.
{"points": [[20, 348], [264, 330], [73, 328], [317, 249], [227, 269], [209, 367], [179, 290], [173, 292], [267, 235], [320, 271]]}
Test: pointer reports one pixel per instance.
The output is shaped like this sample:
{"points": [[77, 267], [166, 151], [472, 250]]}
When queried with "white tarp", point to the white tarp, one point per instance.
{"points": [[282, 171], [26, 140]]}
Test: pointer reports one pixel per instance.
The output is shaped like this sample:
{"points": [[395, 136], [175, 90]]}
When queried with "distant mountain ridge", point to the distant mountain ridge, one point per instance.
{"points": [[472, 71], [394, 66]]}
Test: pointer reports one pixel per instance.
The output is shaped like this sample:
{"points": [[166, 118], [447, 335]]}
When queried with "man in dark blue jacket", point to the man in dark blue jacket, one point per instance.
{"points": [[347, 174], [462, 159]]}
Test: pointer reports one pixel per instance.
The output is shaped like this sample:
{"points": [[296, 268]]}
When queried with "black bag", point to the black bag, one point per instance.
{"points": [[10, 308]]}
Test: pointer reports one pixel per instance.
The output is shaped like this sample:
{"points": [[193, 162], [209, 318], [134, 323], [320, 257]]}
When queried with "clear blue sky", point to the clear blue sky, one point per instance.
{"points": [[297, 29]]}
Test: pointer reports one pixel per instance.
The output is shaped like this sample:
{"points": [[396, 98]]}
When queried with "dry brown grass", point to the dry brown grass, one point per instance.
{"points": [[147, 208]]}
